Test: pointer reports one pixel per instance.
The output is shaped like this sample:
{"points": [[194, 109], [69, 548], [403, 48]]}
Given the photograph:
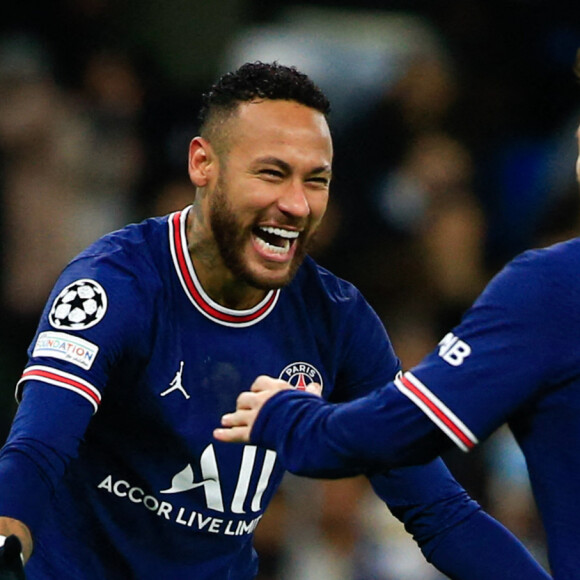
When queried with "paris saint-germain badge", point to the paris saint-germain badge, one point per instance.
{"points": [[300, 375]]}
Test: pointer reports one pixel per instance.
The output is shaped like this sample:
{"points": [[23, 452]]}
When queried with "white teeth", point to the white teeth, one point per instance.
{"points": [[284, 241], [272, 248], [290, 235]]}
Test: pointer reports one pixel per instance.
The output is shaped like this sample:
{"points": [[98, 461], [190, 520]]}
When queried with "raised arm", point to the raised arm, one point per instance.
{"points": [[341, 432]]}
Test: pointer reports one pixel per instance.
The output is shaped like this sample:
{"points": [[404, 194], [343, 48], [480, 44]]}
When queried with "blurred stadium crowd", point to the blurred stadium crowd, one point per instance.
{"points": [[454, 128]]}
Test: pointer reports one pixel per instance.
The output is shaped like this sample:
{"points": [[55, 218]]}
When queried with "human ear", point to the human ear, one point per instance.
{"points": [[200, 161]]}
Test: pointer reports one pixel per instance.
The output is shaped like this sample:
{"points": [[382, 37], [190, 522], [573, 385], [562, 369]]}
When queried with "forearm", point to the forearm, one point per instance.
{"points": [[26, 484], [480, 548], [10, 526], [302, 419], [451, 529], [45, 435], [316, 439]]}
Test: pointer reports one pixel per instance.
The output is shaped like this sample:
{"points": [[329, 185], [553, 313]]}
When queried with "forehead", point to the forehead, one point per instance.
{"points": [[272, 125]]}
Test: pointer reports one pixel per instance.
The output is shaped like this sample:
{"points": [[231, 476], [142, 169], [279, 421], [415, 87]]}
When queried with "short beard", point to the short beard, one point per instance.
{"points": [[229, 236]]}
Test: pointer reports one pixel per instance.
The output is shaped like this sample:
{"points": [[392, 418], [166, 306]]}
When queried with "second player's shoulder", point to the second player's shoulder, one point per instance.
{"points": [[538, 273], [560, 258]]}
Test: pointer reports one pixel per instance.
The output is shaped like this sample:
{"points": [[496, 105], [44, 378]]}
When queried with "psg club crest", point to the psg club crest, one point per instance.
{"points": [[80, 305], [300, 375]]}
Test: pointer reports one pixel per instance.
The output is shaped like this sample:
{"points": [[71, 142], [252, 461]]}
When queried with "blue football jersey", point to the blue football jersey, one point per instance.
{"points": [[132, 356], [514, 358], [133, 365]]}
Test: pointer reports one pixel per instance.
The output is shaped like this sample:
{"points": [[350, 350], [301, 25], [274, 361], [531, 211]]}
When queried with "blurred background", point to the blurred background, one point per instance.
{"points": [[454, 124]]}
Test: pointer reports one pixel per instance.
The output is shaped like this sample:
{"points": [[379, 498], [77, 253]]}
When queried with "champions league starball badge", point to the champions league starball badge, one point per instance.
{"points": [[300, 375], [79, 305]]}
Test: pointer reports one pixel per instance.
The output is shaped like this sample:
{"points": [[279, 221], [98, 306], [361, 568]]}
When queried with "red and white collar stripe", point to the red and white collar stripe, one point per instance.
{"points": [[195, 292], [436, 410]]}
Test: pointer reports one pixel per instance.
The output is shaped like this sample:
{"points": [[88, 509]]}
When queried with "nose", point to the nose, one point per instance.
{"points": [[294, 200]]}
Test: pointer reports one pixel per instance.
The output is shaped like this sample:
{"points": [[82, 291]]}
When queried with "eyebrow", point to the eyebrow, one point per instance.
{"points": [[271, 160]]}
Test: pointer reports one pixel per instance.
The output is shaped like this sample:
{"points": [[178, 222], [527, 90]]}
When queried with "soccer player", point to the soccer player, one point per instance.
{"points": [[515, 358], [111, 470]]}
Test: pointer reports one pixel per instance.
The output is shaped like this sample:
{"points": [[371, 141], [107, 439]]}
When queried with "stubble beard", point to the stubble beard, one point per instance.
{"points": [[230, 237]]}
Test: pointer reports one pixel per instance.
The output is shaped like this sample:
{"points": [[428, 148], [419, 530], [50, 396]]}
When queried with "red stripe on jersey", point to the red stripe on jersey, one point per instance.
{"points": [[64, 380], [439, 413], [180, 252]]}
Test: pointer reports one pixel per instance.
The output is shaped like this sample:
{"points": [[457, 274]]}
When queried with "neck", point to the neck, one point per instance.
{"points": [[217, 280]]}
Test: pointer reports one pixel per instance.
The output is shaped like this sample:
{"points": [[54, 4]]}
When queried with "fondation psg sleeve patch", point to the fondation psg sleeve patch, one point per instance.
{"points": [[79, 305]]}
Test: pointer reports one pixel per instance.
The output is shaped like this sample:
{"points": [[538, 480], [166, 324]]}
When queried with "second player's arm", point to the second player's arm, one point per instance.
{"points": [[480, 375]]}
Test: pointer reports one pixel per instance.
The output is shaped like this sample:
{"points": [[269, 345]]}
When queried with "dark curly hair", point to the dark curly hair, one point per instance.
{"points": [[259, 80]]}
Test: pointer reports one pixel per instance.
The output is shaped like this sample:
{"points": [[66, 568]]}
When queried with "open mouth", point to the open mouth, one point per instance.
{"points": [[274, 239]]}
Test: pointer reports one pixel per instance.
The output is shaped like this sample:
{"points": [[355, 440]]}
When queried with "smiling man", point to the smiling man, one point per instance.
{"points": [[111, 470], [264, 194]]}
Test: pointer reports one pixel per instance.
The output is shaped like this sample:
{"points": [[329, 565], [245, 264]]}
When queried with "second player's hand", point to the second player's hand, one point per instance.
{"points": [[237, 426]]}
